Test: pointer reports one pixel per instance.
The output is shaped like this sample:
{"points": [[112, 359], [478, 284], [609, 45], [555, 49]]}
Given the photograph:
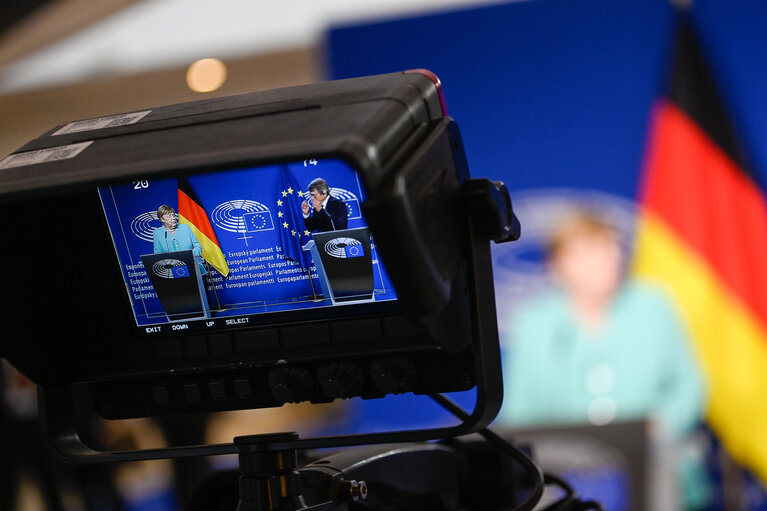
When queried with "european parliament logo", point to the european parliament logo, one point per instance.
{"points": [[170, 269], [144, 225], [343, 248], [242, 216]]}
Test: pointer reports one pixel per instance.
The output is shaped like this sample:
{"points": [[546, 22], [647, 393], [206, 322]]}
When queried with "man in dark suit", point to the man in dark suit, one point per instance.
{"points": [[326, 213]]}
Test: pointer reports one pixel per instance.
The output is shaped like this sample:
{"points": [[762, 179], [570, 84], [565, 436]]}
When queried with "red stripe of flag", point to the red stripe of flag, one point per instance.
{"points": [[190, 207], [710, 202]]}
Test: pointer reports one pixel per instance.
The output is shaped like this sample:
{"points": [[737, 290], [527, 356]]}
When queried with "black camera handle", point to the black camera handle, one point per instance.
{"points": [[427, 475], [269, 477]]}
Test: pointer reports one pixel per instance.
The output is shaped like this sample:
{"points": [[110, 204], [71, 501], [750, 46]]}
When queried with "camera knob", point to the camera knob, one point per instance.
{"points": [[341, 379], [354, 490], [394, 375], [290, 384]]}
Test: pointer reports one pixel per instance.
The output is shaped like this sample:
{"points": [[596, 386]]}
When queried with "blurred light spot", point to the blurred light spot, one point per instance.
{"points": [[601, 411], [600, 379], [206, 75]]}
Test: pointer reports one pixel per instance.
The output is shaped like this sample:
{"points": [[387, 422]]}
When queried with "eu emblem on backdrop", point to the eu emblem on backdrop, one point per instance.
{"points": [[258, 221]]}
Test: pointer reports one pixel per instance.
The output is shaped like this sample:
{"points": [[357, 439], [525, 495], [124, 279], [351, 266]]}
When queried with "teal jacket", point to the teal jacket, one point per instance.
{"points": [[182, 239], [640, 365]]}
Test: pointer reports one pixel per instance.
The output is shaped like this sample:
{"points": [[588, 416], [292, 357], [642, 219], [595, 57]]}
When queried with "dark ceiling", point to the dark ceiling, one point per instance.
{"points": [[15, 10]]}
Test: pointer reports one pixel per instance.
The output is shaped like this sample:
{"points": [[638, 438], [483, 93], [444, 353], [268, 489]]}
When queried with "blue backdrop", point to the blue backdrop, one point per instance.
{"points": [[547, 93], [553, 97], [550, 96]]}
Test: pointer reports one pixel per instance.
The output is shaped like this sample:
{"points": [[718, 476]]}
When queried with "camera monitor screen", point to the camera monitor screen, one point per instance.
{"points": [[215, 250]]}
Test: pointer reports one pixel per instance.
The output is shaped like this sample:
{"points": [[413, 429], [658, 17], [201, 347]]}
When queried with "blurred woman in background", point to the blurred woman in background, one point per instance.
{"points": [[600, 347]]}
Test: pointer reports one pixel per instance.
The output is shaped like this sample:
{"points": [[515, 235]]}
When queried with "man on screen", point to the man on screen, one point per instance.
{"points": [[326, 213]]}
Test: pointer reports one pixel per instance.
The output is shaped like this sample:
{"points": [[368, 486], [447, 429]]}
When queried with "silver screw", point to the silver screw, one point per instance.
{"points": [[358, 490]]}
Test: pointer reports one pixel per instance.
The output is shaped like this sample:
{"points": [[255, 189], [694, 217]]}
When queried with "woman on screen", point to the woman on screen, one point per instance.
{"points": [[173, 236]]}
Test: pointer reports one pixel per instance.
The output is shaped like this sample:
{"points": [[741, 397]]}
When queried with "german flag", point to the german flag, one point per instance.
{"points": [[191, 213], [703, 234]]}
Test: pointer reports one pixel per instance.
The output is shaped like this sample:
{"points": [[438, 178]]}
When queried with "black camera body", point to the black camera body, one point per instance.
{"points": [[72, 307]]}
